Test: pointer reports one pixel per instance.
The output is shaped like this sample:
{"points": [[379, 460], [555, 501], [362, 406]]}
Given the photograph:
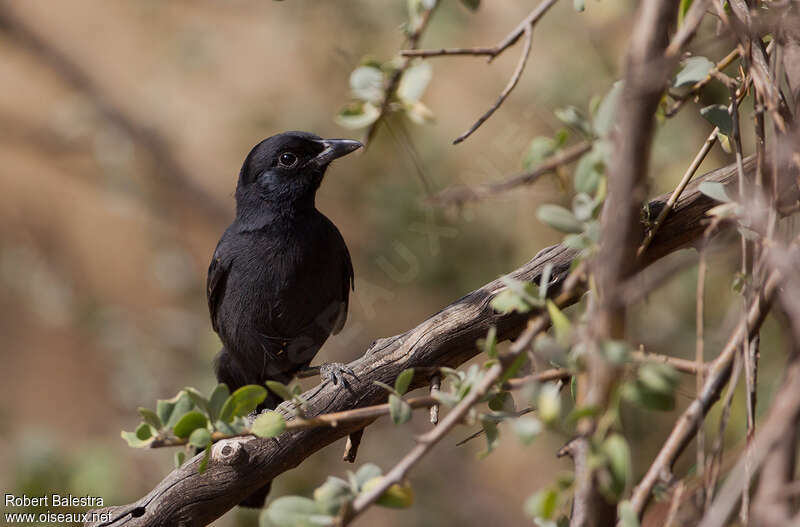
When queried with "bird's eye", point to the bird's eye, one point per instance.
{"points": [[287, 159]]}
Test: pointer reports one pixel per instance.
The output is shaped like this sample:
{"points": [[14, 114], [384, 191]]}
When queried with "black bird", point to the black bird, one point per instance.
{"points": [[280, 278]]}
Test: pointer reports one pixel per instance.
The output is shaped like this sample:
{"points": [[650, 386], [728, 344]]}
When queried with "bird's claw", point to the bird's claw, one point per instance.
{"points": [[334, 372]]}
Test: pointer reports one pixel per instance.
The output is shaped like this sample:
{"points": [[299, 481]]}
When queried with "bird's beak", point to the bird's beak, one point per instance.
{"points": [[334, 149]]}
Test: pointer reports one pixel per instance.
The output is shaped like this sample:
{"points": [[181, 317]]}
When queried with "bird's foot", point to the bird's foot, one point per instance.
{"points": [[335, 372]]}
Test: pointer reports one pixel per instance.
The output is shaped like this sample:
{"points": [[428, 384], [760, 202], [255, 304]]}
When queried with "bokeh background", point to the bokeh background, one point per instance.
{"points": [[122, 128]]}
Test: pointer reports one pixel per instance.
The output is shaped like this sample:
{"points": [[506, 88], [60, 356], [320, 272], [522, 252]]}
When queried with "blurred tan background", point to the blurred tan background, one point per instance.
{"points": [[121, 135]]}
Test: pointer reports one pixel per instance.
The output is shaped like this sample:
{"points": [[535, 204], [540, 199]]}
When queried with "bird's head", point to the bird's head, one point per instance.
{"points": [[285, 170]]}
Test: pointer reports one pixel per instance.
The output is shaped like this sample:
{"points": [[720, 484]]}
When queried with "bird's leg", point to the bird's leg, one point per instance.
{"points": [[328, 372]]}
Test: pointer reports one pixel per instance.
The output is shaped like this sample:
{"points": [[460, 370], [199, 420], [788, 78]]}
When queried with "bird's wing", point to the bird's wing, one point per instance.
{"points": [[348, 284], [218, 271]]}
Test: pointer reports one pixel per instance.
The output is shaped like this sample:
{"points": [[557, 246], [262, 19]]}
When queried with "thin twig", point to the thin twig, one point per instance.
{"points": [[681, 365], [509, 40], [718, 374], [690, 24], [755, 60], [523, 59], [696, 87], [462, 194], [783, 415], [687, 177], [749, 360], [675, 504], [700, 362], [397, 75], [715, 460]]}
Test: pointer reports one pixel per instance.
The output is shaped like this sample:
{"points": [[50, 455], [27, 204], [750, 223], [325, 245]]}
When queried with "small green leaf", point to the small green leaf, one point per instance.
{"points": [[660, 378], [539, 149], [179, 458], [549, 403], [526, 429], [582, 412], [579, 242], [544, 280], [627, 514], [218, 397], [414, 81], [366, 83], [399, 410], [561, 324], [445, 398], [164, 410], [188, 423], [559, 218], [403, 381], [151, 418], [683, 8], [579, 5], [638, 393], [694, 70], [295, 511], [616, 351], [492, 437], [573, 117], [143, 432], [396, 497], [386, 387], [507, 301], [619, 462], [418, 113], [332, 494], [134, 441], [197, 398], [204, 462], [724, 142], [279, 389], [513, 368], [718, 115], [268, 424], [607, 111], [561, 137], [738, 283], [200, 438], [489, 344], [583, 207], [242, 402], [502, 402], [225, 428], [365, 473], [472, 5], [171, 410], [714, 190], [588, 171], [542, 504], [357, 115], [519, 296]]}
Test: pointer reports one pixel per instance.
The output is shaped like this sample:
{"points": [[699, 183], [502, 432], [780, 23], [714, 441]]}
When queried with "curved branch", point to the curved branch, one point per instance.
{"points": [[240, 466]]}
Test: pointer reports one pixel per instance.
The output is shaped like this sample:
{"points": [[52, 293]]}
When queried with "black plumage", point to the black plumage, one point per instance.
{"points": [[279, 281]]}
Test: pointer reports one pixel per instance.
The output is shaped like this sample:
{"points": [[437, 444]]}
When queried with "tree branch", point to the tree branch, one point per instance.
{"points": [[238, 467]]}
